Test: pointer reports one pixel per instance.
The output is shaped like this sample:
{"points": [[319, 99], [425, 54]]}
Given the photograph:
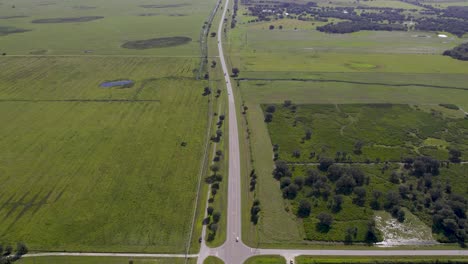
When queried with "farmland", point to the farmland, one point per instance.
{"points": [[91, 168], [101, 260], [100, 27]]}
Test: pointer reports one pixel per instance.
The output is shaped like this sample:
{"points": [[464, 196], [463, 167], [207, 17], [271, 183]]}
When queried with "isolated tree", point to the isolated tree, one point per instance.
{"points": [[401, 215], [304, 209], [206, 91], [287, 103], [272, 27], [281, 27], [213, 64], [296, 153], [213, 34], [235, 72]]}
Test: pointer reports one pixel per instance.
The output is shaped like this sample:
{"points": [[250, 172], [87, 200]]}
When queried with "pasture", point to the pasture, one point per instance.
{"points": [[385, 132], [100, 27], [265, 260], [90, 168], [102, 260]]}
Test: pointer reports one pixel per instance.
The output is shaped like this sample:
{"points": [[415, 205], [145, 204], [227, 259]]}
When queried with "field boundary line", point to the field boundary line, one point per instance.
{"points": [[81, 254], [354, 82], [200, 176]]}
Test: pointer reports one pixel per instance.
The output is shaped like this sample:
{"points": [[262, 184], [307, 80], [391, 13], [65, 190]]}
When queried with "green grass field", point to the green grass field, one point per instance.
{"points": [[89, 172], [213, 260], [340, 260], [102, 260], [265, 260], [387, 132], [123, 21]]}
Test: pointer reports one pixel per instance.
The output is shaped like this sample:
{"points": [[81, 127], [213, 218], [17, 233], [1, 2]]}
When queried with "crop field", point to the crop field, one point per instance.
{"points": [[92, 168], [340, 260], [386, 132], [100, 27]]}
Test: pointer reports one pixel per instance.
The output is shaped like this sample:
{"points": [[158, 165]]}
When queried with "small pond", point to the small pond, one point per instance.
{"points": [[121, 83]]}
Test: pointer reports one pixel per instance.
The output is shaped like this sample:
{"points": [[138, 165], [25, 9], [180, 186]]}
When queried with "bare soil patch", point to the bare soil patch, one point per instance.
{"points": [[164, 6], [156, 43], [66, 19]]}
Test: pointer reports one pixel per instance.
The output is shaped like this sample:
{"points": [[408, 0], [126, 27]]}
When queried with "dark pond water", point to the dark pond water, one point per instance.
{"points": [[117, 83]]}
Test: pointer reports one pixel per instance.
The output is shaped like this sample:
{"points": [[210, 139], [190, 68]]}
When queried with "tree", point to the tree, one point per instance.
{"points": [[210, 210], [272, 27], [216, 217], [375, 203], [285, 182], [206, 91], [268, 117], [213, 34], [358, 147], [334, 172], [401, 215], [337, 202], [360, 193], [287, 103], [214, 168], [304, 209], [325, 220], [290, 192], [214, 227], [281, 169], [213, 64], [281, 27], [8, 250], [392, 199], [345, 184], [394, 177], [235, 72], [371, 234], [296, 153], [299, 181], [308, 134], [325, 163], [455, 155], [270, 109], [21, 249]]}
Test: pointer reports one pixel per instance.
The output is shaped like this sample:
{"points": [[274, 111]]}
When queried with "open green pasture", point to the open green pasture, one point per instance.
{"points": [[102, 260], [265, 260], [361, 259], [386, 132], [98, 169], [122, 21]]}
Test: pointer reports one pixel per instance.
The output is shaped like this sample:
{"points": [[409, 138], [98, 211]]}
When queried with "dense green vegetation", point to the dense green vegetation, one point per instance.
{"points": [[91, 168], [460, 52], [363, 133]]}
